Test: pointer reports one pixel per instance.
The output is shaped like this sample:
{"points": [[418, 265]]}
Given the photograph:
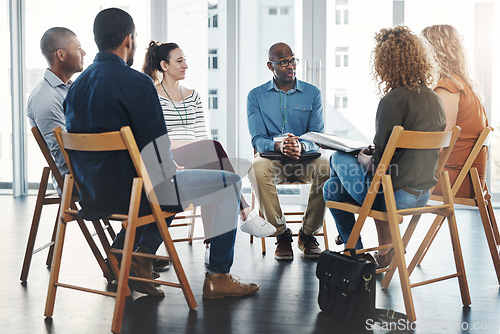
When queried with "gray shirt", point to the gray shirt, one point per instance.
{"points": [[418, 110], [45, 110]]}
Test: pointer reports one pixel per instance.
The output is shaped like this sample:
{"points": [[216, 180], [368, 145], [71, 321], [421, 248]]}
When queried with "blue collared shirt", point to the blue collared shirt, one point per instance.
{"points": [[272, 112], [107, 96], [45, 111]]}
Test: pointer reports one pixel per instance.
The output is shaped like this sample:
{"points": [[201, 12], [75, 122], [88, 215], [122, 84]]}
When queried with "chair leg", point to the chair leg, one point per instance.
{"points": [[421, 257], [459, 261], [93, 247], [50, 253], [109, 228], [176, 263], [494, 225], [35, 222], [262, 240], [399, 257], [424, 244], [489, 228], [54, 272], [406, 239], [123, 290], [191, 226], [325, 235], [58, 247], [107, 249], [172, 252]]}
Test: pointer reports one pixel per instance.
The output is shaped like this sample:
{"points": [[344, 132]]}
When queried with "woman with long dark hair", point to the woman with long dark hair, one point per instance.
{"points": [[166, 64]]}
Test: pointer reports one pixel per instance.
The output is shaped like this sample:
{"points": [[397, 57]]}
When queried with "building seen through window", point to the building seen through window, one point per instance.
{"points": [[341, 12], [213, 101], [212, 59]]}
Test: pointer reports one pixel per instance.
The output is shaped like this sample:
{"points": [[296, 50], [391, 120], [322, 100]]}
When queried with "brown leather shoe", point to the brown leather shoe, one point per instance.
{"points": [[143, 267], [218, 286], [384, 260], [368, 257], [284, 250], [308, 245]]}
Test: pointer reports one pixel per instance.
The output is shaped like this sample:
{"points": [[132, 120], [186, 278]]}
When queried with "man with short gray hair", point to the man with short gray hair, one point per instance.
{"points": [[64, 56]]}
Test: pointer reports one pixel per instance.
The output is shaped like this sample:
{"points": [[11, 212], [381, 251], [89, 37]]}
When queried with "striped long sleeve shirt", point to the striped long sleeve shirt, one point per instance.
{"points": [[185, 120]]}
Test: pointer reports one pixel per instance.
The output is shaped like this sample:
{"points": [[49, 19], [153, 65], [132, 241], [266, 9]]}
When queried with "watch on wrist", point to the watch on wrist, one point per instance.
{"points": [[303, 146]]}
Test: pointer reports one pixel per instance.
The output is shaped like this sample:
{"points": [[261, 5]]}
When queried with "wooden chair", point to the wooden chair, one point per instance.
{"points": [[122, 140], [401, 139], [297, 214], [189, 215], [481, 200], [49, 198]]}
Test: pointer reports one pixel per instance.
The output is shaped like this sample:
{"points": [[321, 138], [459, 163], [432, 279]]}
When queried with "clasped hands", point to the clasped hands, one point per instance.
{"points": [[290, 146]]}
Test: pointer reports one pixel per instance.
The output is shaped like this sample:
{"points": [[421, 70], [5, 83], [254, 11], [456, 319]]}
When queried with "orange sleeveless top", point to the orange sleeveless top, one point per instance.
{"points": [[472, 119]]}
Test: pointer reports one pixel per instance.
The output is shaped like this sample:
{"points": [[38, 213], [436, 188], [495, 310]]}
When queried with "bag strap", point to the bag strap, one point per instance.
{"points": [[352, 251], [387, 315]]}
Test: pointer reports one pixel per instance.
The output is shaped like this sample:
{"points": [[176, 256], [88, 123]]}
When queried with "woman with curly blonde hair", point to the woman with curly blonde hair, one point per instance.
{"points": [[462, 104], [403, 70]]}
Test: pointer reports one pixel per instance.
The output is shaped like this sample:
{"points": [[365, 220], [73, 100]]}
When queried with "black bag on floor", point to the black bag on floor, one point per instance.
{"points": [[347, 289], [346, 286]]}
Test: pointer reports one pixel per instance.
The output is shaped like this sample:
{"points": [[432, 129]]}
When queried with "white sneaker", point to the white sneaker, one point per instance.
{"points": [[256, 225]]}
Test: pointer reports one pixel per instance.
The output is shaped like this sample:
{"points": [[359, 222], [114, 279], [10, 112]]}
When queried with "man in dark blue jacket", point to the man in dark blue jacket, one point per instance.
{"points": [[109, 95]]}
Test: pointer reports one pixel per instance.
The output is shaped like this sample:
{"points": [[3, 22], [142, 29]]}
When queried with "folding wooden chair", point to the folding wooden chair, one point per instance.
{"points": [[122, 140], [481, 200], [297, 214], [409, 140], [189, 215], [48, 198]]}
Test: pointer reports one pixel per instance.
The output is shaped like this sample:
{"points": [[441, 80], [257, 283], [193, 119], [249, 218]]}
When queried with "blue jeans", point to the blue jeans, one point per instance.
{"points": [[349, 181], [218, 193]]}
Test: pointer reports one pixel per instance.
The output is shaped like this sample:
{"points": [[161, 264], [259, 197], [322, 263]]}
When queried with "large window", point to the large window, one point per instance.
{"points": [[349, 47], [5, 99], [342, 71]]}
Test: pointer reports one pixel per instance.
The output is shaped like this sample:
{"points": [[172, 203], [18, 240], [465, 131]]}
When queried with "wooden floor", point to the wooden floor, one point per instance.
{"points": [[286, 302]]}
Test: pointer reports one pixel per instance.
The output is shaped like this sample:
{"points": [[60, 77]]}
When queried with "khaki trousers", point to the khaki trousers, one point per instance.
{"points": [[265, 174]]}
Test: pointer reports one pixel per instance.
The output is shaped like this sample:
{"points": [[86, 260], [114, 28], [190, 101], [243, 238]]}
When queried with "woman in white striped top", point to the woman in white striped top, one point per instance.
{"points": [[185, 121]]}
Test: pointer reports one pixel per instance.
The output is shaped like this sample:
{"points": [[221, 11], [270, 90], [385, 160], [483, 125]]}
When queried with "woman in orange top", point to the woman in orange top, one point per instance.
{"points": [[461, 101]]}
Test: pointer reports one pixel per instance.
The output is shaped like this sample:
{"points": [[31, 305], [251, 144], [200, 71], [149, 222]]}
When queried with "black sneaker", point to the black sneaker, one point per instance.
{"points": [[284, 250]]}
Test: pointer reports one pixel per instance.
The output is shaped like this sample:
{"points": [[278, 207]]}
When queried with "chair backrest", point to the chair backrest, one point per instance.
{"points": [[48, 157], [483, 140], [122, 140], [406, 139]]}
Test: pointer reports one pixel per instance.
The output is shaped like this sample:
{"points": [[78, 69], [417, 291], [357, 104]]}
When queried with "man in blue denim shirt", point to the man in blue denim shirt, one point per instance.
{"points": [[278, 112], [110, 95]]}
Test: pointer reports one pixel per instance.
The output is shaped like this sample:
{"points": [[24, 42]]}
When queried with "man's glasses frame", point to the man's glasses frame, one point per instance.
{"points": [[286, 62]]}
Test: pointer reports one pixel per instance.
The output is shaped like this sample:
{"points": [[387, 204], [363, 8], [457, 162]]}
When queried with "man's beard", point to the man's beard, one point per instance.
{"points": [[130, 60]]}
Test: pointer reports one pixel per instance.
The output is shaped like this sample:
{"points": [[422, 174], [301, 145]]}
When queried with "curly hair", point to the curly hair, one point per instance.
{"points": [[449, 54], [401, 59]]}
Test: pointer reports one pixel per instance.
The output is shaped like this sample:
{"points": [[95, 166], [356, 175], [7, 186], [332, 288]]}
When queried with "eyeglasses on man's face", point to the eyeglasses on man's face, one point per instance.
{"points": [[285, 62]]}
